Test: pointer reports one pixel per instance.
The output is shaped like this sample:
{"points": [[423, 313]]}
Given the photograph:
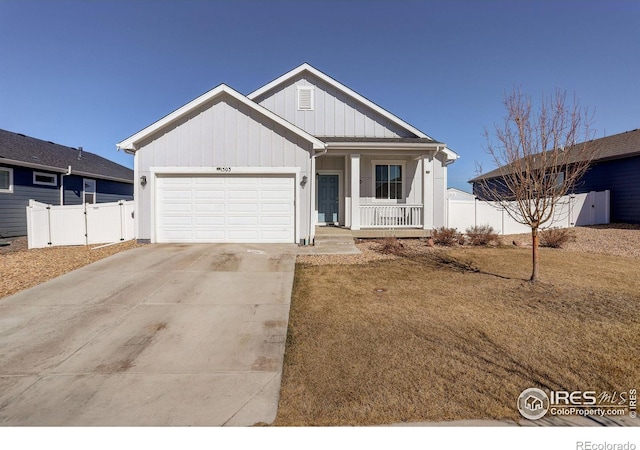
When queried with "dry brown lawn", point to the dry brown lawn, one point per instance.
{"points": [[456, 334]]}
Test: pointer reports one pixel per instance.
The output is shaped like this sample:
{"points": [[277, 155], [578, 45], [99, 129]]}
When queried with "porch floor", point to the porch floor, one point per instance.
{"points": [[369, 233]]}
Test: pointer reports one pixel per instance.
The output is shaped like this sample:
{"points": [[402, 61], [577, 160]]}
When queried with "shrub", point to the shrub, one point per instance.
{"points": [[446, 236], [481, 235], [390, 245], [556, 237]]}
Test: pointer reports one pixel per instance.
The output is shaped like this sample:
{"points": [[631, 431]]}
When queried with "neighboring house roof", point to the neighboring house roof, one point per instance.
{"points": [[617, 146], [130, 144], [451, 155], [24, 151]]}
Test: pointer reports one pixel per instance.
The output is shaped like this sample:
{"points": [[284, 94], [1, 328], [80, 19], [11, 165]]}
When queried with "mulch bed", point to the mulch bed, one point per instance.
{"points": [[21, 268]]}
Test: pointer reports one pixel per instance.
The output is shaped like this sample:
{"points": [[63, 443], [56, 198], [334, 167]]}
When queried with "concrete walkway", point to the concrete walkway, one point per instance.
{"points": [[331, 241], [159, 335]]}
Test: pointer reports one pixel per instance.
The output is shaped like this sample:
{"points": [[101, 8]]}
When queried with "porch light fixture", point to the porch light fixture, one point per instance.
{"points": [[304, 180], [143, 180]]}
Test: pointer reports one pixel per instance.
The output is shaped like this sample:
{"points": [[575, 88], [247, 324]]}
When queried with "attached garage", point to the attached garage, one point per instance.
{"points": [[223, 169], [216, 208]]}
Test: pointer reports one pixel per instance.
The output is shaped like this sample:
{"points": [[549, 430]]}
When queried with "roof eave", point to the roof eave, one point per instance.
{"points": [[130, 145], [18, 163]]}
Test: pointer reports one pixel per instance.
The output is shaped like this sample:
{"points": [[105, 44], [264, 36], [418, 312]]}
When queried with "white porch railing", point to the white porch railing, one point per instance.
{"points": [[391, 216]]}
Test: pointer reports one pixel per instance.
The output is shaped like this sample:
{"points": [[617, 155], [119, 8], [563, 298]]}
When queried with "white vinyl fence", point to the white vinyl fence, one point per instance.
{"points": [[99, 223], [572, 210]]}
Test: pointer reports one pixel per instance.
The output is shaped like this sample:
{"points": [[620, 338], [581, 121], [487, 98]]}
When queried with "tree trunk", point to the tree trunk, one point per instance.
{"points": [[534, 252]]}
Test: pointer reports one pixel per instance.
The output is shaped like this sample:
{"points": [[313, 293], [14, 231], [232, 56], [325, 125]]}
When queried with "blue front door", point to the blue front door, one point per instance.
{"points": [[327, 198]]}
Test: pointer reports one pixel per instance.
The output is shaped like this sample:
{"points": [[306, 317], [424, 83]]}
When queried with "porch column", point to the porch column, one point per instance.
{"points": [[427, 192], [355, 192]]}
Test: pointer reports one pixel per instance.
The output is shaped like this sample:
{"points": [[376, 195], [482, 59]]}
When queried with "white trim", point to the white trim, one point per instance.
{"points": [[95, 191], [355, 191], [45, 183], [341, 87], [130, 144], [419, 146], [9, 190], [340, 174], [212, 171], [389, 162], [174, 170]]}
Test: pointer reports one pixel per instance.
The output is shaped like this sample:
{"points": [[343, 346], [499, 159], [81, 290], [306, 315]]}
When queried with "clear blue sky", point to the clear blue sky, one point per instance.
{"points": [[92, 73]]}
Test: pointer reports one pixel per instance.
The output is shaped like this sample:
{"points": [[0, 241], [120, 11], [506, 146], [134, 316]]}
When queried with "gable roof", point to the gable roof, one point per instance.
{"points": [[19, 150], [451, 155], [130, 144], [617, 146]]}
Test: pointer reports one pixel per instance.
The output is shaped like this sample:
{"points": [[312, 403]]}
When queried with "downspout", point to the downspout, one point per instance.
{"points": [[312, 196], [62, 185]]}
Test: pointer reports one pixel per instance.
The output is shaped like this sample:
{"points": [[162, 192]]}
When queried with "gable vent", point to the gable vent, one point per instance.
{"points": [[305, 98]]}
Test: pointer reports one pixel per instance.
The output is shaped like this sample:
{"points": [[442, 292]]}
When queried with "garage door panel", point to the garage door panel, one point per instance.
{"points": [[282, 208], [209, 235], [209, 208], [248, 208], [276, 221], [178, 194], [177, 181], [177, 221], [236, 194], [206, 221], [244, 235], [243, 221], [209, 195], [276, 194], [225, 208], [178, 208]]}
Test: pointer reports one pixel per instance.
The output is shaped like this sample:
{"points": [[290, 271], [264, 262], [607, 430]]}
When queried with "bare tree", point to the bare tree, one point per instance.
{"points": [[539, 159]]}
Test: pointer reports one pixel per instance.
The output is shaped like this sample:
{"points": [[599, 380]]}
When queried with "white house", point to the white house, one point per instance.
{"points": [[301, 151]]}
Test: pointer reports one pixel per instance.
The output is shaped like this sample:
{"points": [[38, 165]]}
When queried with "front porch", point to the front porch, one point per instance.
{"points": [[377, 194]]}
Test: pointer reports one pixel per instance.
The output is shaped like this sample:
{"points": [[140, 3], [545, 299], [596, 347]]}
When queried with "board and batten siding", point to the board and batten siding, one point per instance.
{"points": [[223, 132], [13, 213], [334, 113], [622, 178]]}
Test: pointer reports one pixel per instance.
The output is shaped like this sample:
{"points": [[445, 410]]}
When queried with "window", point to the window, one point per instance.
{"points": [[389, 182], [6, 180], [45, 179], [305, 98], [89, 193]]}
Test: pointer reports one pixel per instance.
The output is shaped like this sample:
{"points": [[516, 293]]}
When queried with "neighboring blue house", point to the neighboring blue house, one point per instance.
{"points": [[54, 174], [616, 168]]}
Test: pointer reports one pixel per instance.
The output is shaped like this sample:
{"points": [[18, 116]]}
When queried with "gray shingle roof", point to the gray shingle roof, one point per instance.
{"points": [[617, 146], [28, 151]]}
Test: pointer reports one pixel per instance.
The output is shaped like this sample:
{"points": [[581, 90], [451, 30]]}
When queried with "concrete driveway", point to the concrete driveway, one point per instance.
{"points": [[159, 335]]}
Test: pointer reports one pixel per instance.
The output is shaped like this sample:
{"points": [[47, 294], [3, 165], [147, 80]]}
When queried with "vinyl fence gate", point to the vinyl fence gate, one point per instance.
{"points": [[99, 223]]}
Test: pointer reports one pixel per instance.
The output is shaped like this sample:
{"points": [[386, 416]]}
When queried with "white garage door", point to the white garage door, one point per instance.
{"points": [[225, 208]]}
